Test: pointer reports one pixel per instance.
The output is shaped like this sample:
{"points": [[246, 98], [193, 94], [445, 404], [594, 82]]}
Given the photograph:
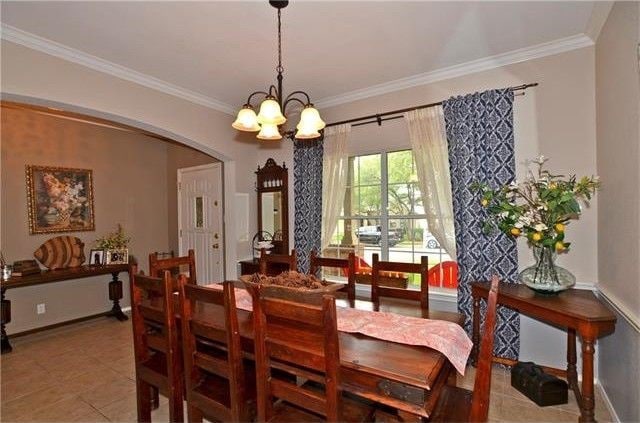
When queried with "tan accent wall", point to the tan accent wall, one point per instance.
{"points": [[131, 186], [618, 147]]}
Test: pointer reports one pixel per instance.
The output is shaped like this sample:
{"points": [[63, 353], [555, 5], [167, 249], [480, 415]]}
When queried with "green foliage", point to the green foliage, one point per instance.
{"points": [[538, 208], [113, 240]]}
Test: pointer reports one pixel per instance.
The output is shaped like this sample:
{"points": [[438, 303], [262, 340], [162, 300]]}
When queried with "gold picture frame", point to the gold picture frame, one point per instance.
{"points": [[60, 199]]}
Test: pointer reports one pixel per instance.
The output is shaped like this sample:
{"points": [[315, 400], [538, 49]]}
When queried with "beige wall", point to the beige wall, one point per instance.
{"points": [[618, 147], [179, 157], [130, 187]]}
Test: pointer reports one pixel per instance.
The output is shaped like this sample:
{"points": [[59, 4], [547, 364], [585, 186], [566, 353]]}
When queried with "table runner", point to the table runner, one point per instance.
{"points": [[448, 338]]}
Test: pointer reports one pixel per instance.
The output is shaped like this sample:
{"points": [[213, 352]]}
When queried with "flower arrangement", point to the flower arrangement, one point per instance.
{"points": [[66, 197], [114, 240], [539, 208]]}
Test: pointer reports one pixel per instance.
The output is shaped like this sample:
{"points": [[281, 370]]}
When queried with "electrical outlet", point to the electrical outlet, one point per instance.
{"points": [[41, 309]]}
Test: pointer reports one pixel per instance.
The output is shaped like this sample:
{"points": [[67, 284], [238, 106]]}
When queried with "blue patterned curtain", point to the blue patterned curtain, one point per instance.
{"points": [[307, 192], [481, 148]]}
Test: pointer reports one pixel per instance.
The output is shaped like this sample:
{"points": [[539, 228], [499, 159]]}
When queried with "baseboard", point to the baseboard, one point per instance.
{"points": [[607, 401]]}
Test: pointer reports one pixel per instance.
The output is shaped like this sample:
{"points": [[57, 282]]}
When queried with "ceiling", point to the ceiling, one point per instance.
{"points": [[226, 50]]}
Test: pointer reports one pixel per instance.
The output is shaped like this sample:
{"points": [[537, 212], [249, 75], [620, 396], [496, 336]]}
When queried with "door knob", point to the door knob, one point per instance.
{"points": [[215, 246]]}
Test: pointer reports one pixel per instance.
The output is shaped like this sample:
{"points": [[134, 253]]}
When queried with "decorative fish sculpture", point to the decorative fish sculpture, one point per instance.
{"points": [[61, 252]]}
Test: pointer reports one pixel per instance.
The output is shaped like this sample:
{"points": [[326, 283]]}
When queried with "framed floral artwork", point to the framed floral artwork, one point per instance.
{"points": [[60, 199]]}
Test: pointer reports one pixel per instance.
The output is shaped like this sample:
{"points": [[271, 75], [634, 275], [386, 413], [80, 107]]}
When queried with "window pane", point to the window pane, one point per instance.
{"points": [[199, 222], [366, 170], [400, 167], [404, 199], [366, 201]]}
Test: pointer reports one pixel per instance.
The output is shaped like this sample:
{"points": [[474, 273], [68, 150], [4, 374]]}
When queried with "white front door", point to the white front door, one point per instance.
{"points": [[200, 219]]}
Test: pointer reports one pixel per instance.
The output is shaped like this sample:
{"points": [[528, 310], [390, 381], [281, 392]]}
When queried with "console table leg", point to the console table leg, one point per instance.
{"points": [[115, 294], [476, 330], [4, 319], [587, 405], [572, 373]]}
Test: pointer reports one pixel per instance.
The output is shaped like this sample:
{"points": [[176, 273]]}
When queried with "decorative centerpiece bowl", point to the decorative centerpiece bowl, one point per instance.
{"points": [[292, 286], [539, 208]]}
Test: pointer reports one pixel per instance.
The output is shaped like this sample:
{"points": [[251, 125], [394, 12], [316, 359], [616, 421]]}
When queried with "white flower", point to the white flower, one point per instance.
{"points": [[504, 214], [540, 227], [518, 224], [540, 159]]}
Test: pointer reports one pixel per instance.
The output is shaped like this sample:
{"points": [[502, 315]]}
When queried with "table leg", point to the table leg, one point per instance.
{"points": [[476, 330], [587, 405], [4, 319], [115, 294], [572, 373]]}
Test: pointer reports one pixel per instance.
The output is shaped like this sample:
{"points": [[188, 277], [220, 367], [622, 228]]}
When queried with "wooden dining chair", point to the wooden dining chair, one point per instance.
{"points": [[317, 262], [421, 269], [458, 404], [217, 387], [173, 265], [158, 360], [273, 264], [301, 340]]}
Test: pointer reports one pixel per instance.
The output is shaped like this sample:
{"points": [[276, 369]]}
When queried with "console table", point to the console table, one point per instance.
{"points": [[50, 276], [574, 309]]}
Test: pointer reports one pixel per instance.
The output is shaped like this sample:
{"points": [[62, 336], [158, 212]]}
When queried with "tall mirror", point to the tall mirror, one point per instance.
{"points": [[273, 207]]}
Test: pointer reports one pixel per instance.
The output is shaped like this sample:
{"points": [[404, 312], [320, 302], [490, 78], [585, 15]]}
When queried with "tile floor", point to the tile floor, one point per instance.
{"points": [[85, 373]]}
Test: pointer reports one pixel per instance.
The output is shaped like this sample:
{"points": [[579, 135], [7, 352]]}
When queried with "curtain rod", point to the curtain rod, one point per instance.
{"points": [[378, 117]]}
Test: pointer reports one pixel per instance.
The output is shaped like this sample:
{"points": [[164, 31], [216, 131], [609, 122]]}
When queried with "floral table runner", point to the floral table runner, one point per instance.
{"points": [[448, 338]]}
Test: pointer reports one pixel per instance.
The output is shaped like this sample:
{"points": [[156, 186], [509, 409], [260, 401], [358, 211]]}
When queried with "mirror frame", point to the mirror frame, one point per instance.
{"points": [[274, 178]]}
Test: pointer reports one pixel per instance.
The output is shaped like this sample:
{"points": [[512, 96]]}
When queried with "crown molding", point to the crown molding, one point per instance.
{"points": [[516, 56], [53, 48]]}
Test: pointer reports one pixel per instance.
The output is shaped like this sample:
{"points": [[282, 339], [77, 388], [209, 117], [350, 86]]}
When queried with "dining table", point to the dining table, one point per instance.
{"points": [[408, 378]]}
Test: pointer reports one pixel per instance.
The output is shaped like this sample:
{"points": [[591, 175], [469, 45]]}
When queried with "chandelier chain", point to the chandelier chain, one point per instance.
{"points": [[279, 69]]}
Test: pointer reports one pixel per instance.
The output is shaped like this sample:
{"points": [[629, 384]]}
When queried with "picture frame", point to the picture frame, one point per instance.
{"points": [[96, 257], [117, 256], [60, 199]]}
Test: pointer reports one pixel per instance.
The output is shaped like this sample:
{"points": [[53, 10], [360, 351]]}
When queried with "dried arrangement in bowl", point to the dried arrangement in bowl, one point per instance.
{"points": [[291, 279]]}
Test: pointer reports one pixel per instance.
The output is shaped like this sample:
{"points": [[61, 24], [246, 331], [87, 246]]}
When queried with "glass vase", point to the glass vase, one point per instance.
{"points": [[544, 276]]}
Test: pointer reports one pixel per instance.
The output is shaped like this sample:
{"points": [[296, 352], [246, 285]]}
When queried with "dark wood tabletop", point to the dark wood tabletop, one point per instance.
{"points": [[402, 376], [47, 276], [572, 307]]}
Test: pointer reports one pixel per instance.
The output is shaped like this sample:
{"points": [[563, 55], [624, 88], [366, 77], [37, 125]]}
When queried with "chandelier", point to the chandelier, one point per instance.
{"points": [[268, 122]]}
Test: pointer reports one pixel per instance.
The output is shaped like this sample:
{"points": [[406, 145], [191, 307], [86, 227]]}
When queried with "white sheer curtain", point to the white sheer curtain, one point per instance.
{"points": [[335, 167], [429, 143]]}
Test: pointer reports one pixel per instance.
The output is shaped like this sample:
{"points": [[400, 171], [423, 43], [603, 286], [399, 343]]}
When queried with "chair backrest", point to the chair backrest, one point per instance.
{"points": [[421, 268], [444, 274], [211, 346], [173, 265], [302, 340], [277, 263], [154, 325], [348, 264], [482, 384]]}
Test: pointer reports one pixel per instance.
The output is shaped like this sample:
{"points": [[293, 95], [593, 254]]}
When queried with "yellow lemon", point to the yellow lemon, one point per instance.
{"points": [[560, 246], [484, 202], [559, 227], [515, 231], [536, 236]]}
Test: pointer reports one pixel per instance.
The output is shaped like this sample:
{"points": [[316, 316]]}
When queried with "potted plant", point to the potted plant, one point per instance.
{"points": [[539, 209], [115, 245]]}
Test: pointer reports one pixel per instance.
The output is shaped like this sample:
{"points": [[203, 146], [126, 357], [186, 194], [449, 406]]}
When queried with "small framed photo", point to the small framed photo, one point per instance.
{"points": [[96, 258], [120, 256]]}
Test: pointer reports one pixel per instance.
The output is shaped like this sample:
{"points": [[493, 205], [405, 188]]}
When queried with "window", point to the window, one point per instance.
{"points": [[383, 213]]}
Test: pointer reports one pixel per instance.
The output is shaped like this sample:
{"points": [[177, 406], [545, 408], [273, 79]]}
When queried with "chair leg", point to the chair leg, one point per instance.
{"points": [[155, 398], [193, 414], [143, 396], [175, 406]]}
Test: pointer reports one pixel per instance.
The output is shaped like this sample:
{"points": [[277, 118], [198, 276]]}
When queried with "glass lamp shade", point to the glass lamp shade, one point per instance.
{"points": [[246, 120], [305, 132], [310, 118], [270, 113], [269, 132]]}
